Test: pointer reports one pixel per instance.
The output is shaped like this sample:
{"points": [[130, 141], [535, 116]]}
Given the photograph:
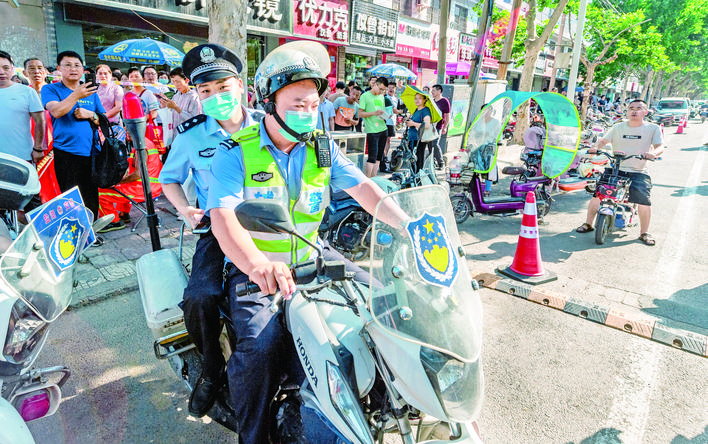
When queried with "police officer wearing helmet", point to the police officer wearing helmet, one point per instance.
{"points": [[214, 70], [276, 160]]}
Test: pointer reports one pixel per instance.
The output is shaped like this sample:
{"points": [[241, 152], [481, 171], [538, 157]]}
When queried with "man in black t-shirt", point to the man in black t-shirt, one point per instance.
{"points": [[444, 106]]}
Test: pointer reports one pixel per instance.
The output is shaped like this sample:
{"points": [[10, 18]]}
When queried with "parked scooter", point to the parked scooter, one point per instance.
{"points": [[615, 212], [346, 226], [36, 282], [403, 154], [467, 189]]}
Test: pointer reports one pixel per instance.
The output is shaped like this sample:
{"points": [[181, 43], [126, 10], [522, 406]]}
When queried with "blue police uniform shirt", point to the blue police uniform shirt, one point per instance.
{"points": [[70, 134], [227, 170], [193, 150]]}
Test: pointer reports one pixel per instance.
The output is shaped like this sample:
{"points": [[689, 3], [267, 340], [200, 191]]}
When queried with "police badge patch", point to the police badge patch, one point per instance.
{"points": [[64, 246], [435, 259], [262, 176]]}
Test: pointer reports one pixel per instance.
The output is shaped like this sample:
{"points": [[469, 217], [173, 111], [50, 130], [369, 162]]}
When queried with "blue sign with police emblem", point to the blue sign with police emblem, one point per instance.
{"points": [[63, 250], [435, 259]]}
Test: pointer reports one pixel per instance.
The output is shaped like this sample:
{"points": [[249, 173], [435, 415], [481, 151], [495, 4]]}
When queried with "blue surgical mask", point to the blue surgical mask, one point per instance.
{"points": [[299, 121], [163, 81]]}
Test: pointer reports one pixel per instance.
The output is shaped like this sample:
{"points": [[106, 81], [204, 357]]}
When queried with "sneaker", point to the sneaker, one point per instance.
{"points": [[125, 217], [98, 242], [113, 226]]}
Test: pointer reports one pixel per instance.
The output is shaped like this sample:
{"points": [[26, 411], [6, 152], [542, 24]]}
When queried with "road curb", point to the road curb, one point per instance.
{"points": [[618, 317]]}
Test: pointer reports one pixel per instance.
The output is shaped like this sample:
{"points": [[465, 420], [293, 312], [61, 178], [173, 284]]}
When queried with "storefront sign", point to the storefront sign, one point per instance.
{"points": [[453, 44], [489, 61], [273, 16], [198, 4], [373, 26], [414, 40], [467, 42], [326, 20]]}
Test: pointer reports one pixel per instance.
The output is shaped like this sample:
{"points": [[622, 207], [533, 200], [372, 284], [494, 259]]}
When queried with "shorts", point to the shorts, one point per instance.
{"points": [[376, 145], [639, 189], [391, 131]]}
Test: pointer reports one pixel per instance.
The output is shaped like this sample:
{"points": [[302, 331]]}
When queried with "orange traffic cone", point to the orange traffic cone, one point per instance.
{"points": [[679, 130], [527, 266]]}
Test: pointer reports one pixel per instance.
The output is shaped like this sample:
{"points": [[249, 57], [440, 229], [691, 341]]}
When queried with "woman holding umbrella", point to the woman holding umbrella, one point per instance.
{"points": [[425, 113]]}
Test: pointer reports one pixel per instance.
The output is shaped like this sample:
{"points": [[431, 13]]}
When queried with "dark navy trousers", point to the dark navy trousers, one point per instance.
{"points": [[202, 296]]}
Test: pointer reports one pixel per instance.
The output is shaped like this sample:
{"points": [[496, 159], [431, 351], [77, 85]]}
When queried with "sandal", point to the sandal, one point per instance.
{"points": [[647, 239], [584, 228]]}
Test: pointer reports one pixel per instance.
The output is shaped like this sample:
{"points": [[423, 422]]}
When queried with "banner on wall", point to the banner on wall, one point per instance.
{"points": [[414, 39], [453, 44]]}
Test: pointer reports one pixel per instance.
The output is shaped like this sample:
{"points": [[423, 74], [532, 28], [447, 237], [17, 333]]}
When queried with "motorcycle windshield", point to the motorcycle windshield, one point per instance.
{"points": [[420, 286], [38, 264]]}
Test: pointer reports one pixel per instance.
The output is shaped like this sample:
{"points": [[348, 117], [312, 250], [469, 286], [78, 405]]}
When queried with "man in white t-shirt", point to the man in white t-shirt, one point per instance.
{"points": [[634, 136], [20, 103]]}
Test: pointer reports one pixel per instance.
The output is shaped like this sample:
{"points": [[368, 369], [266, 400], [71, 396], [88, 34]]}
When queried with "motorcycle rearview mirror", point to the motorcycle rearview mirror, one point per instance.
{"points": [[264, 217]]}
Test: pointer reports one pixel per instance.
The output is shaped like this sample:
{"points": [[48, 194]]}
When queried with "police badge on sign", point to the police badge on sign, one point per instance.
{"points": [[434, 256]]}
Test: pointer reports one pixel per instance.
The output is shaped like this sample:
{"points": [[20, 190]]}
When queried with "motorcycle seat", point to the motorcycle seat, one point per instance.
{"points": [[513, 171], [503, 199], [537, 178]]}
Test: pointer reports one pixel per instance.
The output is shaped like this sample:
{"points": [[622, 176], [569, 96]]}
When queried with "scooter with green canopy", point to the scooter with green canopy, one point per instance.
{"points": [[479, 157]]}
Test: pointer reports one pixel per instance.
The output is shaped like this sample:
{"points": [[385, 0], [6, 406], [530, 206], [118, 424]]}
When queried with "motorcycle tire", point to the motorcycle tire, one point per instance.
{"points": [[508, 135], [602, 228], [543, 202], [461, 208], [221, 411], [396, 160]]}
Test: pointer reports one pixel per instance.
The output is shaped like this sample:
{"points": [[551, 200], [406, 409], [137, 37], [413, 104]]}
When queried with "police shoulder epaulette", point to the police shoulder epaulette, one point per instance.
{"points": [[245, 134], [191, 123], [228, 144]]}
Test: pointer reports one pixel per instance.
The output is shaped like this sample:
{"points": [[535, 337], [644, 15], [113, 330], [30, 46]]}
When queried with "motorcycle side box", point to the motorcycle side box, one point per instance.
{"points": [[18, 182], [162, 280]]}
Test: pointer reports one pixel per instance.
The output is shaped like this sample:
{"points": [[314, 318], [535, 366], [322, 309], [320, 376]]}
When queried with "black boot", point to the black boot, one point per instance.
{"points": [[203, 395]]}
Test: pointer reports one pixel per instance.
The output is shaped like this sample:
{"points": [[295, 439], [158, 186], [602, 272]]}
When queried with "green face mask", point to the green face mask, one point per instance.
{"points": [[164, 81], [221, 106], [300, 122]]}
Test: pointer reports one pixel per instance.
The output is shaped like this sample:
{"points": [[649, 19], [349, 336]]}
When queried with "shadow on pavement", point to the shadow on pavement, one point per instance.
{"points": [[701, 190], [696, 148], [687, 306], [700, 439], [603, 436]]}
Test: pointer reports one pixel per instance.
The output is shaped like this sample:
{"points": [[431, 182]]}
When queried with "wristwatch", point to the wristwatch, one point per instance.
{"points": [[38, 150]]}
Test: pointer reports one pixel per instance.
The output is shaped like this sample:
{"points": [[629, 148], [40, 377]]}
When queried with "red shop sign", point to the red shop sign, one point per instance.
{"points": [[326, 20]]}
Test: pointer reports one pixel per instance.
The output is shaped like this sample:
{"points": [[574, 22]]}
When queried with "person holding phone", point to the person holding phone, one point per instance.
{"points": [[214, 70]]}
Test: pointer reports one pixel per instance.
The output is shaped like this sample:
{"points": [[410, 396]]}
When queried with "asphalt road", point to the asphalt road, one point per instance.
{"points": [[550, 377]]}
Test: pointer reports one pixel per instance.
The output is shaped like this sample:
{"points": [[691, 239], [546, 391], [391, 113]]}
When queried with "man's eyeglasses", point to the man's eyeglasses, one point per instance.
{"points": [[77, 66]]}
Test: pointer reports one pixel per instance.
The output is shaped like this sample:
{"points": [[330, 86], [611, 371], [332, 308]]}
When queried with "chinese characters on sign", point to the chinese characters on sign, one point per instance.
{"points": [[272, 16], [266, 10], [323, 20], [418, 39], [467, 43], [198, 4], [373, 26]]}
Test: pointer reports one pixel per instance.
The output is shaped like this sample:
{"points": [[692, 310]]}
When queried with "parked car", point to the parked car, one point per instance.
{"points": [[677, 107]]}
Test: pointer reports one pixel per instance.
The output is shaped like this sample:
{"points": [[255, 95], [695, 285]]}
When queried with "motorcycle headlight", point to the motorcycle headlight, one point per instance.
{"points": [[346, 404], [24, 332], [459, 385]]}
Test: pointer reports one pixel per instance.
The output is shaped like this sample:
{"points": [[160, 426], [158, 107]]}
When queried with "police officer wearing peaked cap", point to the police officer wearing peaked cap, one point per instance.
{"points": [[277, 161], [214, 70]]}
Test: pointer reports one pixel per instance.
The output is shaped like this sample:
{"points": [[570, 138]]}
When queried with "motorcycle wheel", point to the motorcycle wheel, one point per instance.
{"points": [[221, 412], [461, 208], [396, 160], [590, 188], [602, 228], [542, 209]]}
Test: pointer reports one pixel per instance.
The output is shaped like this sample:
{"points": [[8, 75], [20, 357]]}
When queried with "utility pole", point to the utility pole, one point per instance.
{"points": [[509, 42], [442, 44], [577, 47], [556, 54]]}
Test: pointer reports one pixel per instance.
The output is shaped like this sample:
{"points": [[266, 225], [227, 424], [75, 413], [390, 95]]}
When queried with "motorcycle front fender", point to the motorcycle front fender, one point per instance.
{"points": [[13, 430], [607, 210]]}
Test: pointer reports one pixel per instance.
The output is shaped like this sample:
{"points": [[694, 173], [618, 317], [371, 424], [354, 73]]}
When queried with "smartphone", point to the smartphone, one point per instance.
{"points": [[203, 226], [90, 78]]}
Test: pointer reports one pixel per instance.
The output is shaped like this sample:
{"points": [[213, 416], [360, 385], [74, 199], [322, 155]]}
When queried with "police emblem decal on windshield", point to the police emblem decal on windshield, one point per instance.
{"points": [[63, 249], [262, 176], [434, 256]]}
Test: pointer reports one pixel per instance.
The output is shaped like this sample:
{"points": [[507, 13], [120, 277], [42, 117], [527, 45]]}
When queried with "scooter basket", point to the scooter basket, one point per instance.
{"points": [[614, 178]]}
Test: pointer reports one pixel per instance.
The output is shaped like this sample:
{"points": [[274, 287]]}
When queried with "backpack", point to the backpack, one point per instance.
{"points": [[109, 165]]}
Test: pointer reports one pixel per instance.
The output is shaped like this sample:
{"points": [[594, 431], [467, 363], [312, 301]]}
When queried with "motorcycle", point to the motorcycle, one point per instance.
{"points": [[704, 113], [377, 357], [467, 188], [36, 282], [403, 154], [615, 212]]}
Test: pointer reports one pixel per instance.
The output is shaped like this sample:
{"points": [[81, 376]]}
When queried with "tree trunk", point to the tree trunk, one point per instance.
{"points": [[656, 93], [227, 27], [648, 81], [589, 78]]}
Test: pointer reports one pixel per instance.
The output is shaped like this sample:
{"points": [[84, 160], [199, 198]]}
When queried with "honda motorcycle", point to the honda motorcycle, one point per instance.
{"points": [[399, 354]]}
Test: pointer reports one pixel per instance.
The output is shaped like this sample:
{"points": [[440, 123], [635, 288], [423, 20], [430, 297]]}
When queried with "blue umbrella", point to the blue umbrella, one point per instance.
{"points": [[392, 70], [144, 51]]}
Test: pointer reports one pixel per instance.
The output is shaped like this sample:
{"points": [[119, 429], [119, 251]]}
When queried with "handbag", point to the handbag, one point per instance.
{"points": [[430, 134], [109, 165]]}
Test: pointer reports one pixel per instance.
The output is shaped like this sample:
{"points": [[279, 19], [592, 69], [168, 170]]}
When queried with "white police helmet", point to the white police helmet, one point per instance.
{"points": [[290, 63]]}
